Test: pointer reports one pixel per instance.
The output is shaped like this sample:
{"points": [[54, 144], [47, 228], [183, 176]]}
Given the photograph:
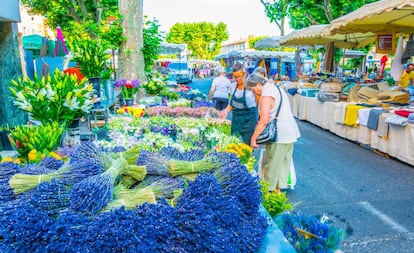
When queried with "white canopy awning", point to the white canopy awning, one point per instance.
{"points": [[270, 42], [321, 35], [384, 15], [256, 54], [171, 48]]}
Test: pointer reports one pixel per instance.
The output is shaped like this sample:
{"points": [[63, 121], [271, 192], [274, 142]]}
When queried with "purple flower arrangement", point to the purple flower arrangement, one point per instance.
{"points": [[128, 88]]}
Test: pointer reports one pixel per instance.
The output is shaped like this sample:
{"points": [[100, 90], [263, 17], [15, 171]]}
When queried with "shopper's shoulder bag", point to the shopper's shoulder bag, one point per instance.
{"points": [[269, 134]]}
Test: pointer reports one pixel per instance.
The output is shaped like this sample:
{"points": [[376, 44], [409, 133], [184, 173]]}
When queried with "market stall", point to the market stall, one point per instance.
{"points": [[322, 34], [384, 15], [397, 140], [268, 59]]}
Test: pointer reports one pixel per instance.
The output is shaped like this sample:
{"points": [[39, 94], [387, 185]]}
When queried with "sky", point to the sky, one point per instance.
{"points": [[242, 17]]}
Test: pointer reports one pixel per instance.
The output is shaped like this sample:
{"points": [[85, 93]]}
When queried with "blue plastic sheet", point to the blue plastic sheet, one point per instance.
{"points": [[274, 241]]}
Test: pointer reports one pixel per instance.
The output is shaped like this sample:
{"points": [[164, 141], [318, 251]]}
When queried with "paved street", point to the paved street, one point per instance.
{"points": [[371, 197]]}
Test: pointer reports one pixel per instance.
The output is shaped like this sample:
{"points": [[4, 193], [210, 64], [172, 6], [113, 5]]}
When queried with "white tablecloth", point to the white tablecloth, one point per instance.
{"points": [[399, 144]]}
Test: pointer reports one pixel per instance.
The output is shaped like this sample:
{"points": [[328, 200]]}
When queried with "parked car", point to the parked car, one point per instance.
{"points": [[182, 72]]}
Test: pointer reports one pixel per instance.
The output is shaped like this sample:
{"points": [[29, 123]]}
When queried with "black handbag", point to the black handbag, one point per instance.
{"points": [[269, 134]]}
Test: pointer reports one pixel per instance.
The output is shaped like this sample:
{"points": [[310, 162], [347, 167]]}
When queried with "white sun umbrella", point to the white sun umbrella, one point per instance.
{"points": [[397, 67], [270, 42]]}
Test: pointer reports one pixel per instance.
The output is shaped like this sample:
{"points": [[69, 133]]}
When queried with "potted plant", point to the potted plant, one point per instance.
{"points": [[60, 97], [35, 142], [90, 55], [128, 89], [155, 84], [108, 83]]}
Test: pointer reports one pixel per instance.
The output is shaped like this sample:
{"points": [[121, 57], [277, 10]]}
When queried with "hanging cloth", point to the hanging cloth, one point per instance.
{"points": [[409, 50], [397, 67], [383, 62]]}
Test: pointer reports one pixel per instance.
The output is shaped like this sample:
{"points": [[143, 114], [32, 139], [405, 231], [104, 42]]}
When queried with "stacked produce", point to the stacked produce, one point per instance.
{"points": [[118, 207]]}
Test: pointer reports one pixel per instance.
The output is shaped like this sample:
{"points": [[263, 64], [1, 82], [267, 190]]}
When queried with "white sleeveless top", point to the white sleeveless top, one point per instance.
{"points": [[287, 129]]}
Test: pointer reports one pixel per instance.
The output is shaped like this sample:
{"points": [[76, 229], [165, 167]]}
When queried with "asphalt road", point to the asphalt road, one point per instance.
{"points": [[369, 196]]}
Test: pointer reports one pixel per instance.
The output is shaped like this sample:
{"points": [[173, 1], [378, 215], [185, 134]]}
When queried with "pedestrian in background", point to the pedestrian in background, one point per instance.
{"points": [[261, 71], [242, 105], [277, 160], [219, 91]]}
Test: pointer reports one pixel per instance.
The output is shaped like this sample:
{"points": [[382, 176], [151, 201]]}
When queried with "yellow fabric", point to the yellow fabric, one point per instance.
{"points": [[351, 115], [394, 96], [318, 65], [405, 78]]}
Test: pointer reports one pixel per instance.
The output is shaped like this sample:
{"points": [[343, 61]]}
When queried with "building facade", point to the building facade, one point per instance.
{"points": [[10, 65]]}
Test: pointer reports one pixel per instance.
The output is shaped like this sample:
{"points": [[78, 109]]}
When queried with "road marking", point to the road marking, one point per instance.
{"points": [[382, 216]]}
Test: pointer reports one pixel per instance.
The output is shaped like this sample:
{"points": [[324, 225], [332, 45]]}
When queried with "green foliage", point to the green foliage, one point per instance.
{"points": [[59, 98], [276, 11], [91, 57], [44, 138], [203, 38], [304, 13], [112, 35], [152, 41], [275, 203], [353, 63], [155, 84], [169, 94], [80, 18]]}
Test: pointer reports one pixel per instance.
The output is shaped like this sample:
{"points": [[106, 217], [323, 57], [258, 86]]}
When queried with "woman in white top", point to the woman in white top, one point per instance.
{"points": [[278, 157], [219, 91]]}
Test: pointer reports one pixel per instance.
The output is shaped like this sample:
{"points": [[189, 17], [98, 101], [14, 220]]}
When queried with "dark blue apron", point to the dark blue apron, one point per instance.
{"points": [[244, 119]]}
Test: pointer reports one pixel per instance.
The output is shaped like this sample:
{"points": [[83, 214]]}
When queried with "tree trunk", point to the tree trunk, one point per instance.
{"points": [[327, 9], [131, 63]]}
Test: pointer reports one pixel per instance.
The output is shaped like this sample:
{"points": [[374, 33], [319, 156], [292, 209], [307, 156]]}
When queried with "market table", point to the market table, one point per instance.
{"points": [[400, 141]]}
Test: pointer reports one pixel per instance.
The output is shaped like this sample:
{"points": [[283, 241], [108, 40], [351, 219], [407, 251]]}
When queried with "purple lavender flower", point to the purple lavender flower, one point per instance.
{"points": [[135, 83], [120, 82]]}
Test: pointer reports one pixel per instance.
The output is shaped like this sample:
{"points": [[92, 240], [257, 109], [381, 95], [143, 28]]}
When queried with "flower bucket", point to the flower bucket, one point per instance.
{"points": [[128, 101], [109, 90], [4, 141], [96, 82]]}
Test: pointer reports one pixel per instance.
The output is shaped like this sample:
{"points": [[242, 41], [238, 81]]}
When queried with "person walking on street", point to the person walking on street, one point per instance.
{"points": [[242, 105], [277, 160], [219, 91]]}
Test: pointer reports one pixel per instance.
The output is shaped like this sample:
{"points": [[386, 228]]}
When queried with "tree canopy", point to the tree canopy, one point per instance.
{"points": [[77, 18], [304, 13], [203, 38]]}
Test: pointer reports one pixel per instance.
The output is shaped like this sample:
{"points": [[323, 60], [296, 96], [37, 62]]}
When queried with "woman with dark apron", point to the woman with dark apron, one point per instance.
{"points": [[244, 118], [243, 106]]}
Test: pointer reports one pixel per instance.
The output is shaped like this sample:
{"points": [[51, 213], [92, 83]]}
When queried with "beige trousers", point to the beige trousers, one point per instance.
{"points": [[275, 165]]}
